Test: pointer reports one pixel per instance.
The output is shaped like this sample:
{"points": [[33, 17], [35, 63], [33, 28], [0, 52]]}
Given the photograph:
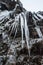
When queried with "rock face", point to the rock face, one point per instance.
{"points": [[21, 35], [10, 4]]}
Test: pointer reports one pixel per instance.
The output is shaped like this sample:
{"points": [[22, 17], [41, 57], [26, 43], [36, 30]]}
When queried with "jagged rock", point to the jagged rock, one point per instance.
{"points": [[37, 49], [3, 48], [11, 60], [22, 51], [10, 4], [37, 60], [3, 60]]}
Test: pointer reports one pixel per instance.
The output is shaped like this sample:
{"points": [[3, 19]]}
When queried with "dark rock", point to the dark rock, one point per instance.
{"points": [[1, 61], [22, 51], [37, 49]]}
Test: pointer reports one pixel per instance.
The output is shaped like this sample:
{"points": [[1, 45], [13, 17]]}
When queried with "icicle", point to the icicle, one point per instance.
{"points": [[40, 16], [34, 21], [22, 27], [27, 35], [26, 32], [25, 27], [39, 32], [4, 14], [36, 17], [38, 29]]}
